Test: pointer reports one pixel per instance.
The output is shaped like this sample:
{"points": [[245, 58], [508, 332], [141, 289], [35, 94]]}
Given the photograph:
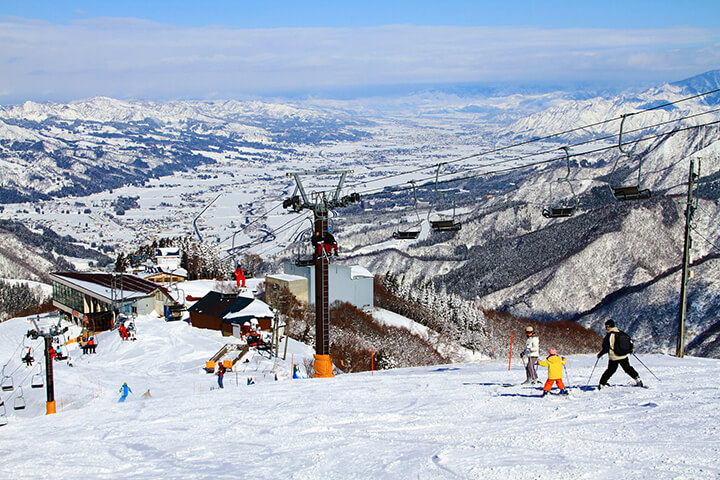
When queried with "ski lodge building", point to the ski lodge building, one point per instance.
{"points": [[227, 312], [92, 299]]}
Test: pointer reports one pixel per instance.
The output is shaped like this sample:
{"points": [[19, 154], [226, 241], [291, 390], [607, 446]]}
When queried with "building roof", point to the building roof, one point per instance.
{"points": [[286, 277], [356, 271], [127, 286], [153, 270], [231, 307]]}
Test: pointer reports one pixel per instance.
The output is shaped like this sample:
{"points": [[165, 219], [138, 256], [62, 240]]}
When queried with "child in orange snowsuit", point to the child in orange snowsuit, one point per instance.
{"points": [[555, 372]]}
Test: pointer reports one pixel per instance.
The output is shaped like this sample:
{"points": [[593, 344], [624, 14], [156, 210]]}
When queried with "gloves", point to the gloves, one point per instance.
{"points": [[599, 354], [522, 354]]}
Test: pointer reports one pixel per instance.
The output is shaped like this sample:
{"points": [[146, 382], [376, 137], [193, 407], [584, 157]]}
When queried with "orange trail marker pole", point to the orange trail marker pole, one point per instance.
{"points": [[372, 361]]}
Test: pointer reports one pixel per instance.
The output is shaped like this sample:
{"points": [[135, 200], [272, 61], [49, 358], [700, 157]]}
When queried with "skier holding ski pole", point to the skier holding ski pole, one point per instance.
{"points": [[531, 352], [618, 346]]}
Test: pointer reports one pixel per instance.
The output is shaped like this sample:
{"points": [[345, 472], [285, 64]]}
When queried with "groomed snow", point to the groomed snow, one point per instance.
{"points": [[448, 422]]}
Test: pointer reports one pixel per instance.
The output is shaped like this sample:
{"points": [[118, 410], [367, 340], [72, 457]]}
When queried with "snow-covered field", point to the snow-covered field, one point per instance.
{"points": [[448, 422]]}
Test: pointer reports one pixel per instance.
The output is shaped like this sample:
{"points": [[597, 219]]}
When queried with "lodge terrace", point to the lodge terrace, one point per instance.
{"points": [[93, 299]]}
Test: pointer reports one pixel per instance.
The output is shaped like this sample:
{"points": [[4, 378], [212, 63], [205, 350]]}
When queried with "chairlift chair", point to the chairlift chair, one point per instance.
{"points": [[443, 225], [37, 381], [413, 232], [406, 235], [3, 414], [20, 401], [556, 211], [628, 192], [7, 382]]}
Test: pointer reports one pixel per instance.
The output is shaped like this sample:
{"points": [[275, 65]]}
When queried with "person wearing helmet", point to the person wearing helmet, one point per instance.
{"points": [[531, 352], [125, 390], [329, 243], [555, 372]]}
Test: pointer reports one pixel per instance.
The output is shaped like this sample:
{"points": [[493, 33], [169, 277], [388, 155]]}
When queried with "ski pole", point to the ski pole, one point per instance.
{"points": [[641, 363], [566, 375], [593, 371]]}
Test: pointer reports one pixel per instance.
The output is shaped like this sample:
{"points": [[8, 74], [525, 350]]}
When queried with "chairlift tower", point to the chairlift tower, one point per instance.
{"points": [[54, 331], [689, 212], [321, 203]]}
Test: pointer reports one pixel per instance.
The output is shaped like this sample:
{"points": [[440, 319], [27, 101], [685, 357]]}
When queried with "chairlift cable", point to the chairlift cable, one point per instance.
{"points": [[431, 180], [546, 137], [492, 164]]}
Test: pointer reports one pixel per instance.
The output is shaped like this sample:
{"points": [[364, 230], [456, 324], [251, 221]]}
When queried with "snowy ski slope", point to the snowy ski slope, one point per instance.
{"points": [[447, 422]]}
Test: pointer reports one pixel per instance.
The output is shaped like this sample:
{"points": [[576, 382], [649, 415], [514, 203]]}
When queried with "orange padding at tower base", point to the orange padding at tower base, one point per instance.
{"points": [[50, 408], [323, 366]]}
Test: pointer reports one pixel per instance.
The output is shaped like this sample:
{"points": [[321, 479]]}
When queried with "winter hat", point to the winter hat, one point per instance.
{"points": [[553, 351], [610, 323], [529, 329]]}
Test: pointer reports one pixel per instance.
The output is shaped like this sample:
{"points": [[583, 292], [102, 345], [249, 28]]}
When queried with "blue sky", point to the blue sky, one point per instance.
{"points": [[58, 50]]}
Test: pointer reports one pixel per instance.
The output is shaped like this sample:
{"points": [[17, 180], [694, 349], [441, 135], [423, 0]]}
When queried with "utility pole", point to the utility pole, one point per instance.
{"points": [[321, 204], [689, 211], [54, 331]]}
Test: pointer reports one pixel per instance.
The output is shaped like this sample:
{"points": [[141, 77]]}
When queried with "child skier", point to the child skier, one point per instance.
{"points": [[555, 372]]}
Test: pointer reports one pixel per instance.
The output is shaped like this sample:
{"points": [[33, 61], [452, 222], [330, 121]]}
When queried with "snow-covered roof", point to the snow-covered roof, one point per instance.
{"points": [[286, 277], [126, 286], [257, 308], [356, 271], [168, 252], [157, 269]]}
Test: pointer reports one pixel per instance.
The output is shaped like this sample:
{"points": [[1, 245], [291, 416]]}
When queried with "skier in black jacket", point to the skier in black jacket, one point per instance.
{"points": [[608, 346]]}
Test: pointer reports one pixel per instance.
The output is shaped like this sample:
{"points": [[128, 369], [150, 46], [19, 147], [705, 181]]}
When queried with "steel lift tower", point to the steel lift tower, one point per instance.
{"points": [[321, 203]]}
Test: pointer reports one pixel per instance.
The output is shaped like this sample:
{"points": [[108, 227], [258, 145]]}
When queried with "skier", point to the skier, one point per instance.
{"points": [[28, 358], [532, 352], [220, 374], [125, 390], [555, 372], [91, 345], [615, 359], [240, 276], [53, 353]]}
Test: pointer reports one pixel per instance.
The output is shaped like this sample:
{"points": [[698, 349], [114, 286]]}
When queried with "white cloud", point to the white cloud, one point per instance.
{"points": [[139, 58]]}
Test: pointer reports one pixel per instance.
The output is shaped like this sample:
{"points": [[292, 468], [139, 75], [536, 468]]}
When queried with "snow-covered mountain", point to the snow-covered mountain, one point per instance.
{"points": [[82, 147]]}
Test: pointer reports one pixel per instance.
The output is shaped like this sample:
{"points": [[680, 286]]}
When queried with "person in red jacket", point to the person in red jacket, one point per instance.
{"points": [[555, 372], [123, 332], [220, 373], [240, 276]]}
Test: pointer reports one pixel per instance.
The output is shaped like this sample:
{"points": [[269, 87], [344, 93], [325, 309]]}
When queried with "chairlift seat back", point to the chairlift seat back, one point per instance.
{"points": [[19, 403], [406, 235], [557, 212], [631, 193], [7, 384], [37, 381], [445, 225]]}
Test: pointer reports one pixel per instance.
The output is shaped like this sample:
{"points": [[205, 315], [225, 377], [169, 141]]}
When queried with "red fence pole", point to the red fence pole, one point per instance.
{"points": [[510, 359], [372, 361]]}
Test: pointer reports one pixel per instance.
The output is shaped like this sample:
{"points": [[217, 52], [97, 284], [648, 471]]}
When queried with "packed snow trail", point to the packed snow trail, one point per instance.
{"points": [[441, 422]]}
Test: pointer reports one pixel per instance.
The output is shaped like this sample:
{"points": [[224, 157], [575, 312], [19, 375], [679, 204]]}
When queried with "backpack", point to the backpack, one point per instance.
{"points": [[623, 344]]}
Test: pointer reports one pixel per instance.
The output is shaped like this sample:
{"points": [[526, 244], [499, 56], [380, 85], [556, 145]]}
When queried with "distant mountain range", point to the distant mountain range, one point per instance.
{"points": [[54, 150]]}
